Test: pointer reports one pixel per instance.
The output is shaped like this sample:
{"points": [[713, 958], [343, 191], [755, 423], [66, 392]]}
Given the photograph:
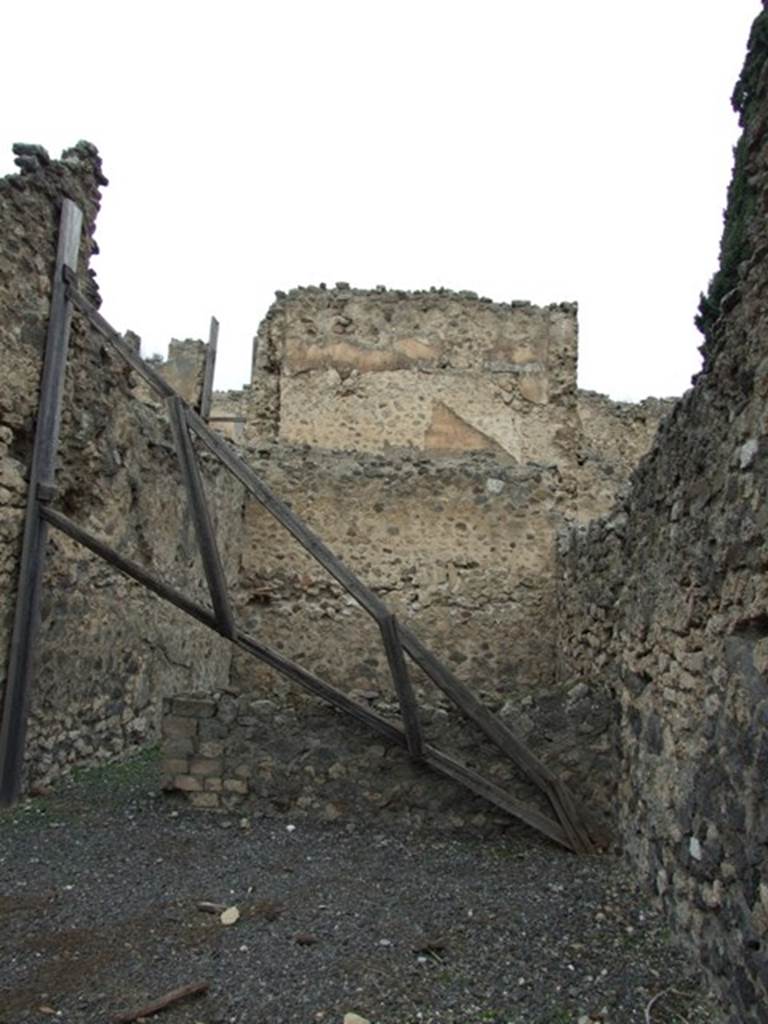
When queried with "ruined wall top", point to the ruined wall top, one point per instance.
{"points": [[436, 370], [382, 330], [77, 175]]}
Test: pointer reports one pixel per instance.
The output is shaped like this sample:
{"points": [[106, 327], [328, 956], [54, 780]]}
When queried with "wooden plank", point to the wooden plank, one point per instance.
{"points": [[42, 480], [318, 687], [557, 793], [206, 538], [107, 331], [470, 779], [218, 446], [577, 825], [405, 695], [210, 367], [465, 699], [129, 568], [440, 762]]}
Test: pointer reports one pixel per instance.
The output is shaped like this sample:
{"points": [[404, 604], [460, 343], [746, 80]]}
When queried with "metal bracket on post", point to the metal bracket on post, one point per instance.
{"points": [[42, 486]]}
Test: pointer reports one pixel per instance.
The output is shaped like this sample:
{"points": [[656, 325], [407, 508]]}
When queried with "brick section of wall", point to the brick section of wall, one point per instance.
{"points": [[288, 754], [199, 757]]}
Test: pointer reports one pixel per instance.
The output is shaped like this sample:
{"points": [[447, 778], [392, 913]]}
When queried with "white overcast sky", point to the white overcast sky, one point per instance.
{"points": [[546, 150]]}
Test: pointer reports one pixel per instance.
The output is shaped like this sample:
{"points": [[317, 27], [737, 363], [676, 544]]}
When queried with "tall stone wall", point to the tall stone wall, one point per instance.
{"points": [[664, 603], [436, 370], [463, 550], [108, 650], [437, 442], [613, 437]]}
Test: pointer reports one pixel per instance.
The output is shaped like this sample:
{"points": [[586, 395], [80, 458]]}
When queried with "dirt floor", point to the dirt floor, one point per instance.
{"points": [[101, 881]]}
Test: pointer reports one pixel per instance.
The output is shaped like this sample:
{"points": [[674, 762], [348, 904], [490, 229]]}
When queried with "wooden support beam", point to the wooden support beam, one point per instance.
{"points": [[439, 762], [311, 683], [206, 538], [210, 368], [467, 777], [499, 733], [218, 446], [390, 634], [107, 331], [42, 485], [129, 568], [504, 738]]}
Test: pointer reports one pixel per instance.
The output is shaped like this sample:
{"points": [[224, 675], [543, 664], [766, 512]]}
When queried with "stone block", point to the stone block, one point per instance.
{"points": [[213, 784], [211, 748], [175, 728], [179, 746], [187, 783], [205, 766], [193, 707], [212, 729], [205, 801], [175, 766], [236, 786]]}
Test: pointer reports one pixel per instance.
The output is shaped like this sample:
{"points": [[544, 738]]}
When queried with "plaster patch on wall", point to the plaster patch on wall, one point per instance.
{"points": [[448, 432]]}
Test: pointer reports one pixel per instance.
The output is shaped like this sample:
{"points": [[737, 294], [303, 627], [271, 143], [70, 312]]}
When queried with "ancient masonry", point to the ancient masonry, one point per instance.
{"points": [[610, 607]]}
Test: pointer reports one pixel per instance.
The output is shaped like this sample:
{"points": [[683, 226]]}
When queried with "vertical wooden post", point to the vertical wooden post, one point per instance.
{"points": [[408, 707], [210, 365], [206, 537], [42, 483]]}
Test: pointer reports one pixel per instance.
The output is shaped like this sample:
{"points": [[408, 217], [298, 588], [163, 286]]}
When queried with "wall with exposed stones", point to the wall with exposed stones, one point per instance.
{"points": [[108, 650], [612, 437], [462, 549], [664, 603], [438, 372], [437, 442]]}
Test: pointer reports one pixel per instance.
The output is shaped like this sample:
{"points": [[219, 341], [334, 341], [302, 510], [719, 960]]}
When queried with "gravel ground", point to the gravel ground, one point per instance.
{"points": [[100, 884]]}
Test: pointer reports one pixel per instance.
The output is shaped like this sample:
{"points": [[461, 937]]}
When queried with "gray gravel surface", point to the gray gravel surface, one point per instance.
{"points": [[100, 884]]}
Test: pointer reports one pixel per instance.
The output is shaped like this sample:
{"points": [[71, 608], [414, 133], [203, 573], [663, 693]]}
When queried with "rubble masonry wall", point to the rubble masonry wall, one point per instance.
{"points": [[108, 650]]}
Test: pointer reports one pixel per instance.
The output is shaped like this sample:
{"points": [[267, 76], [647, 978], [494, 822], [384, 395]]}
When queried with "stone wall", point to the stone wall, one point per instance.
{"points": [[438, 372], [663, 603], [435, 370], [277, 752], [108, 650], [613, 437], [462, 549], [437, 442]]}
